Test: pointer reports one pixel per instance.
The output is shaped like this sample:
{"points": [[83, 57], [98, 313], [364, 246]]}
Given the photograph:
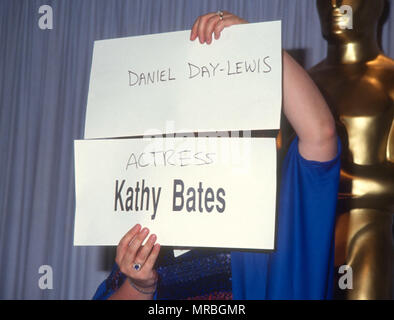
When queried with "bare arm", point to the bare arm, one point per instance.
{"points": [[303, 104], [308, 113]]}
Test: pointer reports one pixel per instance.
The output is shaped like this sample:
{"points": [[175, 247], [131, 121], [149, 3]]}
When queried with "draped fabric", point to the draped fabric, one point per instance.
{"points": [[302, 265], [44, 81]]}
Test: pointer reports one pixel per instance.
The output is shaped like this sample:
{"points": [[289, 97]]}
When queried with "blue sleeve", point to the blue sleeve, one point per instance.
{"points": [[110, 285], [302, 265]]}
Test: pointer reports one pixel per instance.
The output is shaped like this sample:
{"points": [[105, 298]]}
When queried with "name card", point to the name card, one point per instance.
{"points": [[165, 83], [190, 192]]}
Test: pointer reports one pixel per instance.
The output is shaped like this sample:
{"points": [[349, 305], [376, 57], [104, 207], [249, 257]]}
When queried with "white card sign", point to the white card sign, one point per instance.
{"points": [[190, 192], [165, 83]]}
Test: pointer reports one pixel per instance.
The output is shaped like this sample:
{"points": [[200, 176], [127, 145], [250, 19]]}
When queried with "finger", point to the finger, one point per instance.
{"points": [[202, 25], [218, 29], [151, 260], [129, 257], [223, 24], [145, 250], [124, 242], [210, 26], [193, 34]]}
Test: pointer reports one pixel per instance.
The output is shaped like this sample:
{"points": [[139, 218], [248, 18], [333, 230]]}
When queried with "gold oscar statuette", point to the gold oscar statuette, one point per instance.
{"points": [[357, 80]]}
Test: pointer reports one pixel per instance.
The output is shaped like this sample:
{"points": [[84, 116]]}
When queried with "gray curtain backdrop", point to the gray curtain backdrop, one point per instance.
{"points": [[44, 80]]}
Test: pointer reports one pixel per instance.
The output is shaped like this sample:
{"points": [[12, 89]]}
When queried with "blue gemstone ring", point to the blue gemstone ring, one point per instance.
{"points": [[137, 266]]}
